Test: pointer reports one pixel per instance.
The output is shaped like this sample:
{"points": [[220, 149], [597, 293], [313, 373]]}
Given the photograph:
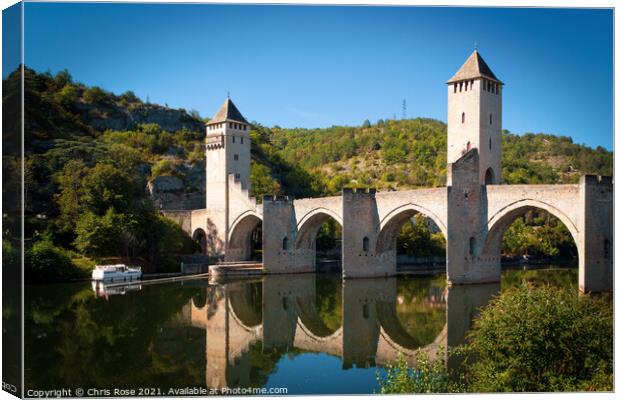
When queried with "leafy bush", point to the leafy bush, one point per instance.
{"points": [[427, 377], [532, 339], [44, 262], [162, 167]]}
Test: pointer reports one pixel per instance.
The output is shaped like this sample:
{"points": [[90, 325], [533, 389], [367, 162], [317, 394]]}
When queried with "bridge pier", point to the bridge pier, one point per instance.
{"points": [[360, 231], [360, 319], [280, 312], [596, 230], [279, 237]]}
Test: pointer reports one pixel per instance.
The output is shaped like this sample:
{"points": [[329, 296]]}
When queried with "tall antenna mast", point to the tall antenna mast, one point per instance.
{"points": [[404, 109]]}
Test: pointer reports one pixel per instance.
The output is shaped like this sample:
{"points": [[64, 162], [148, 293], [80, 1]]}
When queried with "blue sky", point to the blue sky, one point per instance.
{"points": [[316, 66]]}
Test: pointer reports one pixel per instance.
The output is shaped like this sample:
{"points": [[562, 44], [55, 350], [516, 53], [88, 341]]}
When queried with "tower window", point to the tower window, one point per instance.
{"points": [[462, 118], [484, 85], [285, 243], [489, 177], [233, 138], [241, 139], [466, 85], [237, 176], [491, 119], [365, 243], [455, 85], [490, 144], [461, 87], [472, 245], [236, 157]]}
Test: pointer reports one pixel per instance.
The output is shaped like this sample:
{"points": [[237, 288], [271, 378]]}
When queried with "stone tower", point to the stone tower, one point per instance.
{"points": [[475, 117], [228, 166]]}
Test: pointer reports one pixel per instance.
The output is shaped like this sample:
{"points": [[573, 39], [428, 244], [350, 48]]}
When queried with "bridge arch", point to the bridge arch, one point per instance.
{"points": [[501, 220], [391, 224], [240, 236], [309, 226]]}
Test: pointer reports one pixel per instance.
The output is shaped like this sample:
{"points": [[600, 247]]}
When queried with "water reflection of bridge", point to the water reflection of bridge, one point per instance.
{"points": [[281, 313]]}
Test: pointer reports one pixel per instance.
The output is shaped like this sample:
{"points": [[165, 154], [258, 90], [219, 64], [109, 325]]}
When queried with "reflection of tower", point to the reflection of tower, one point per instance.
{"points": [[475, 116], [227, 339], [464, 303]]}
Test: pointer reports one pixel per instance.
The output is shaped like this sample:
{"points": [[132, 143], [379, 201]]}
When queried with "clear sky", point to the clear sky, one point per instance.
{"points": [[316, 66]]}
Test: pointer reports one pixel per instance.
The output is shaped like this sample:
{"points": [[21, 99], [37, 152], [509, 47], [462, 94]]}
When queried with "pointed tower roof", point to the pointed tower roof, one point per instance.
{"points": [[474, 67], [228, 112]]}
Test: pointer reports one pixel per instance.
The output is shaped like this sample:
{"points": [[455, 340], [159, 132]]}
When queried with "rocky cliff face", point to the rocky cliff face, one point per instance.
{"points": [[180, 193], [117, 117]]}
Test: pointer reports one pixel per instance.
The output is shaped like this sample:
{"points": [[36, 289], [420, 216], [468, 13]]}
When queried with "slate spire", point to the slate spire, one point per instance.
{"points": [[228, 112], [474, 67]]}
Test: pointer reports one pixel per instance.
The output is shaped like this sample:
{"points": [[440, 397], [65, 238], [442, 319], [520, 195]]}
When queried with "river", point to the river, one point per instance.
{"points": [[307, 333]]}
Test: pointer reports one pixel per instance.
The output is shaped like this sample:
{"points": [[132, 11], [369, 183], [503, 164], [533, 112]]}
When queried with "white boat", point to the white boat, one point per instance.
{"points": [[117, 272]]}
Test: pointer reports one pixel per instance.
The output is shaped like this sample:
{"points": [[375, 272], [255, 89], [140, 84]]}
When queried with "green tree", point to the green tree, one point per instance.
{"points": [[95, 95], [106, 186], [69, 200], [130, 97], [100, 236], [262, 182], [416, 239], [67, 95], [63, 78]]}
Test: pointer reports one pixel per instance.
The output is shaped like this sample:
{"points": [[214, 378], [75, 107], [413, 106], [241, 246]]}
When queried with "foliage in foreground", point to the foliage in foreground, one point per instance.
{"points": [[429, 376], [528, 339], [45, 262], [532, 339]]}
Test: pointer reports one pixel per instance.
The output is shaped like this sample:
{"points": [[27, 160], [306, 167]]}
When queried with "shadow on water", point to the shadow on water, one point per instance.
{"points": [[310, 333]]}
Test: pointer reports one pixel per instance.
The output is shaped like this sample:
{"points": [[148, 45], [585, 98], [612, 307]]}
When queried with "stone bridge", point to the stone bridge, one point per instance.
{"points": [[472, 211], [472, 218], [369, 334]]}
